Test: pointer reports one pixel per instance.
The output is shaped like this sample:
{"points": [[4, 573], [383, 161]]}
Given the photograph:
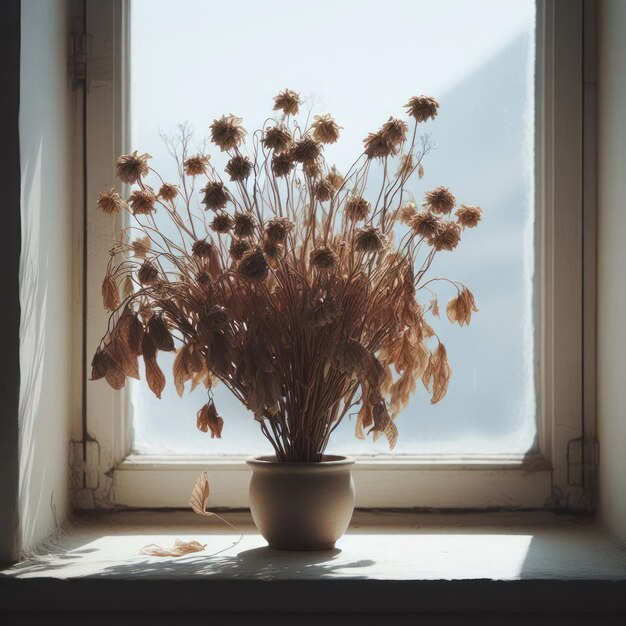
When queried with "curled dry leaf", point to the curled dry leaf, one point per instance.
{"points": [[200, 495], [209, 420], [180, 548], [110, 295]]}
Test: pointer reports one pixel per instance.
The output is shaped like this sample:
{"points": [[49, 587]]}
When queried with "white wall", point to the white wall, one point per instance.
{"points": [[45, 268], [612, 263]]}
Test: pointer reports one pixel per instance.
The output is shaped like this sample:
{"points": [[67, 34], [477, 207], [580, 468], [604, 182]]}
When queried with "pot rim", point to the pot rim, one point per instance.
{"points": [[328, 462]]}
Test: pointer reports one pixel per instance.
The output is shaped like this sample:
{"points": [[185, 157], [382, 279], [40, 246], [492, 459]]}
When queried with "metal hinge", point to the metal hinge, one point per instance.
{"points": [[79, 48], [85, 464], [582, 462]]}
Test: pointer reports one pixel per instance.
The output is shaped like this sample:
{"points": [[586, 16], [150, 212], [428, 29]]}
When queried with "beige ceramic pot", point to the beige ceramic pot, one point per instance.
{"points": [[301, 506]]}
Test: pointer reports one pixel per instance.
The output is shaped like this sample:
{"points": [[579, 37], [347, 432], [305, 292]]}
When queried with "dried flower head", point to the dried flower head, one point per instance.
{"points": [[407, 212], [243, 224], [227, 132], [447, 236], [239, 168], [141, 246], [277, 229], [335, 178], [468, 216], [325, 129], [277, 138], [142, 201], [394, 131], [369, 239], [148, 274], [282, 164], [222, 223], [215, 195], [425, 224], [196, 165], [287, 101], [168, 192], [377, 146], [422, 108], [201, 248], [440, 200], [131, 167], [273, 250], [323, 258], [306, 150], [238, 248], [357, 208], [460, 307], [323, 190], [110, 202], [313, 169], [253, 266]]}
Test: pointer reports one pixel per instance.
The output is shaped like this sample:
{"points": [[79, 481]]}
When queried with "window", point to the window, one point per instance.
{"points": [[494, 441]]}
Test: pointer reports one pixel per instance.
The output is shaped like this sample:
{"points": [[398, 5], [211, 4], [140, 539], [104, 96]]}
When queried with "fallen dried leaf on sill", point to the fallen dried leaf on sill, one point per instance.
{"points": [[180, 548]]}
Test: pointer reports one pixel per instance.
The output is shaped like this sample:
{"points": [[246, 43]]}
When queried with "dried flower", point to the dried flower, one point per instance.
{"points": [[394, 131], [168, 192], [215, 195], [306, 150], [323, 258], [222, 223], [131, 167], [323, 190], [201, 248], [142, 201], [440, 200], [407, 213], [447, 236], [148, 274], [239, 168], [273, 250], [243, 224], [227, 132], [335, 178], [110, 202], [422, 108], [377, 146], [468, 216], [313, 169], [369, 239], [196, 165], [277, 229], [282, 164], [287, 101], [425, 224], [253, 266], [460, 307], [325, 129], [141, 246], [357, 208], [406, 165], [238, 248], [277, 138]]}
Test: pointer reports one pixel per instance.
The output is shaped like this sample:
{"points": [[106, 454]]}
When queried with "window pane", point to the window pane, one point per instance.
{"points": [[361, 60]]}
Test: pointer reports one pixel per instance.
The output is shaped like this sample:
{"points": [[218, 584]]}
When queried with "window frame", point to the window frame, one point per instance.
{"points": [[545, 477]]}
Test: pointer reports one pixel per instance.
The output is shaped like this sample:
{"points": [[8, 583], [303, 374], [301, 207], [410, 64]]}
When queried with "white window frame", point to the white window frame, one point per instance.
{"points": [[549, 476]]}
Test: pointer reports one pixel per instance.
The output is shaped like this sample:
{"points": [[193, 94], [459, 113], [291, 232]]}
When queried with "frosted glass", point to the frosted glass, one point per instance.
{"points": [[362, 60]]}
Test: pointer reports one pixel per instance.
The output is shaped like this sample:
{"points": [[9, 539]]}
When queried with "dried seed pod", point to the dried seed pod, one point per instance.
{"points": [[253, 266], [131, 167]]}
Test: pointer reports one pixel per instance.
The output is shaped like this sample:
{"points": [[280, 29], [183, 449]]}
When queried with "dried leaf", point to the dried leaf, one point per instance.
{"points": [[110, 295], [200, 495], [129, 287], [159, 330], [420, 171], [180, 548], [182, 368], [208, 419]]}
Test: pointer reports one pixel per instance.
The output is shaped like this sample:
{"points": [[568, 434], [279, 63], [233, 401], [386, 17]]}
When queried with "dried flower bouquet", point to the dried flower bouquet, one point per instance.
{"points": [[294, 285]]}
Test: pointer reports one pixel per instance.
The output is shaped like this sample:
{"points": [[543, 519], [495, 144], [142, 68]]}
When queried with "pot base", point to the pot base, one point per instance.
{"points": [[302, 547]]}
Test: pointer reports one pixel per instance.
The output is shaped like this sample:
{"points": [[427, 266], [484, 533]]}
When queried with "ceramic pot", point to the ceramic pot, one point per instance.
{"points": [[301, 506]]}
